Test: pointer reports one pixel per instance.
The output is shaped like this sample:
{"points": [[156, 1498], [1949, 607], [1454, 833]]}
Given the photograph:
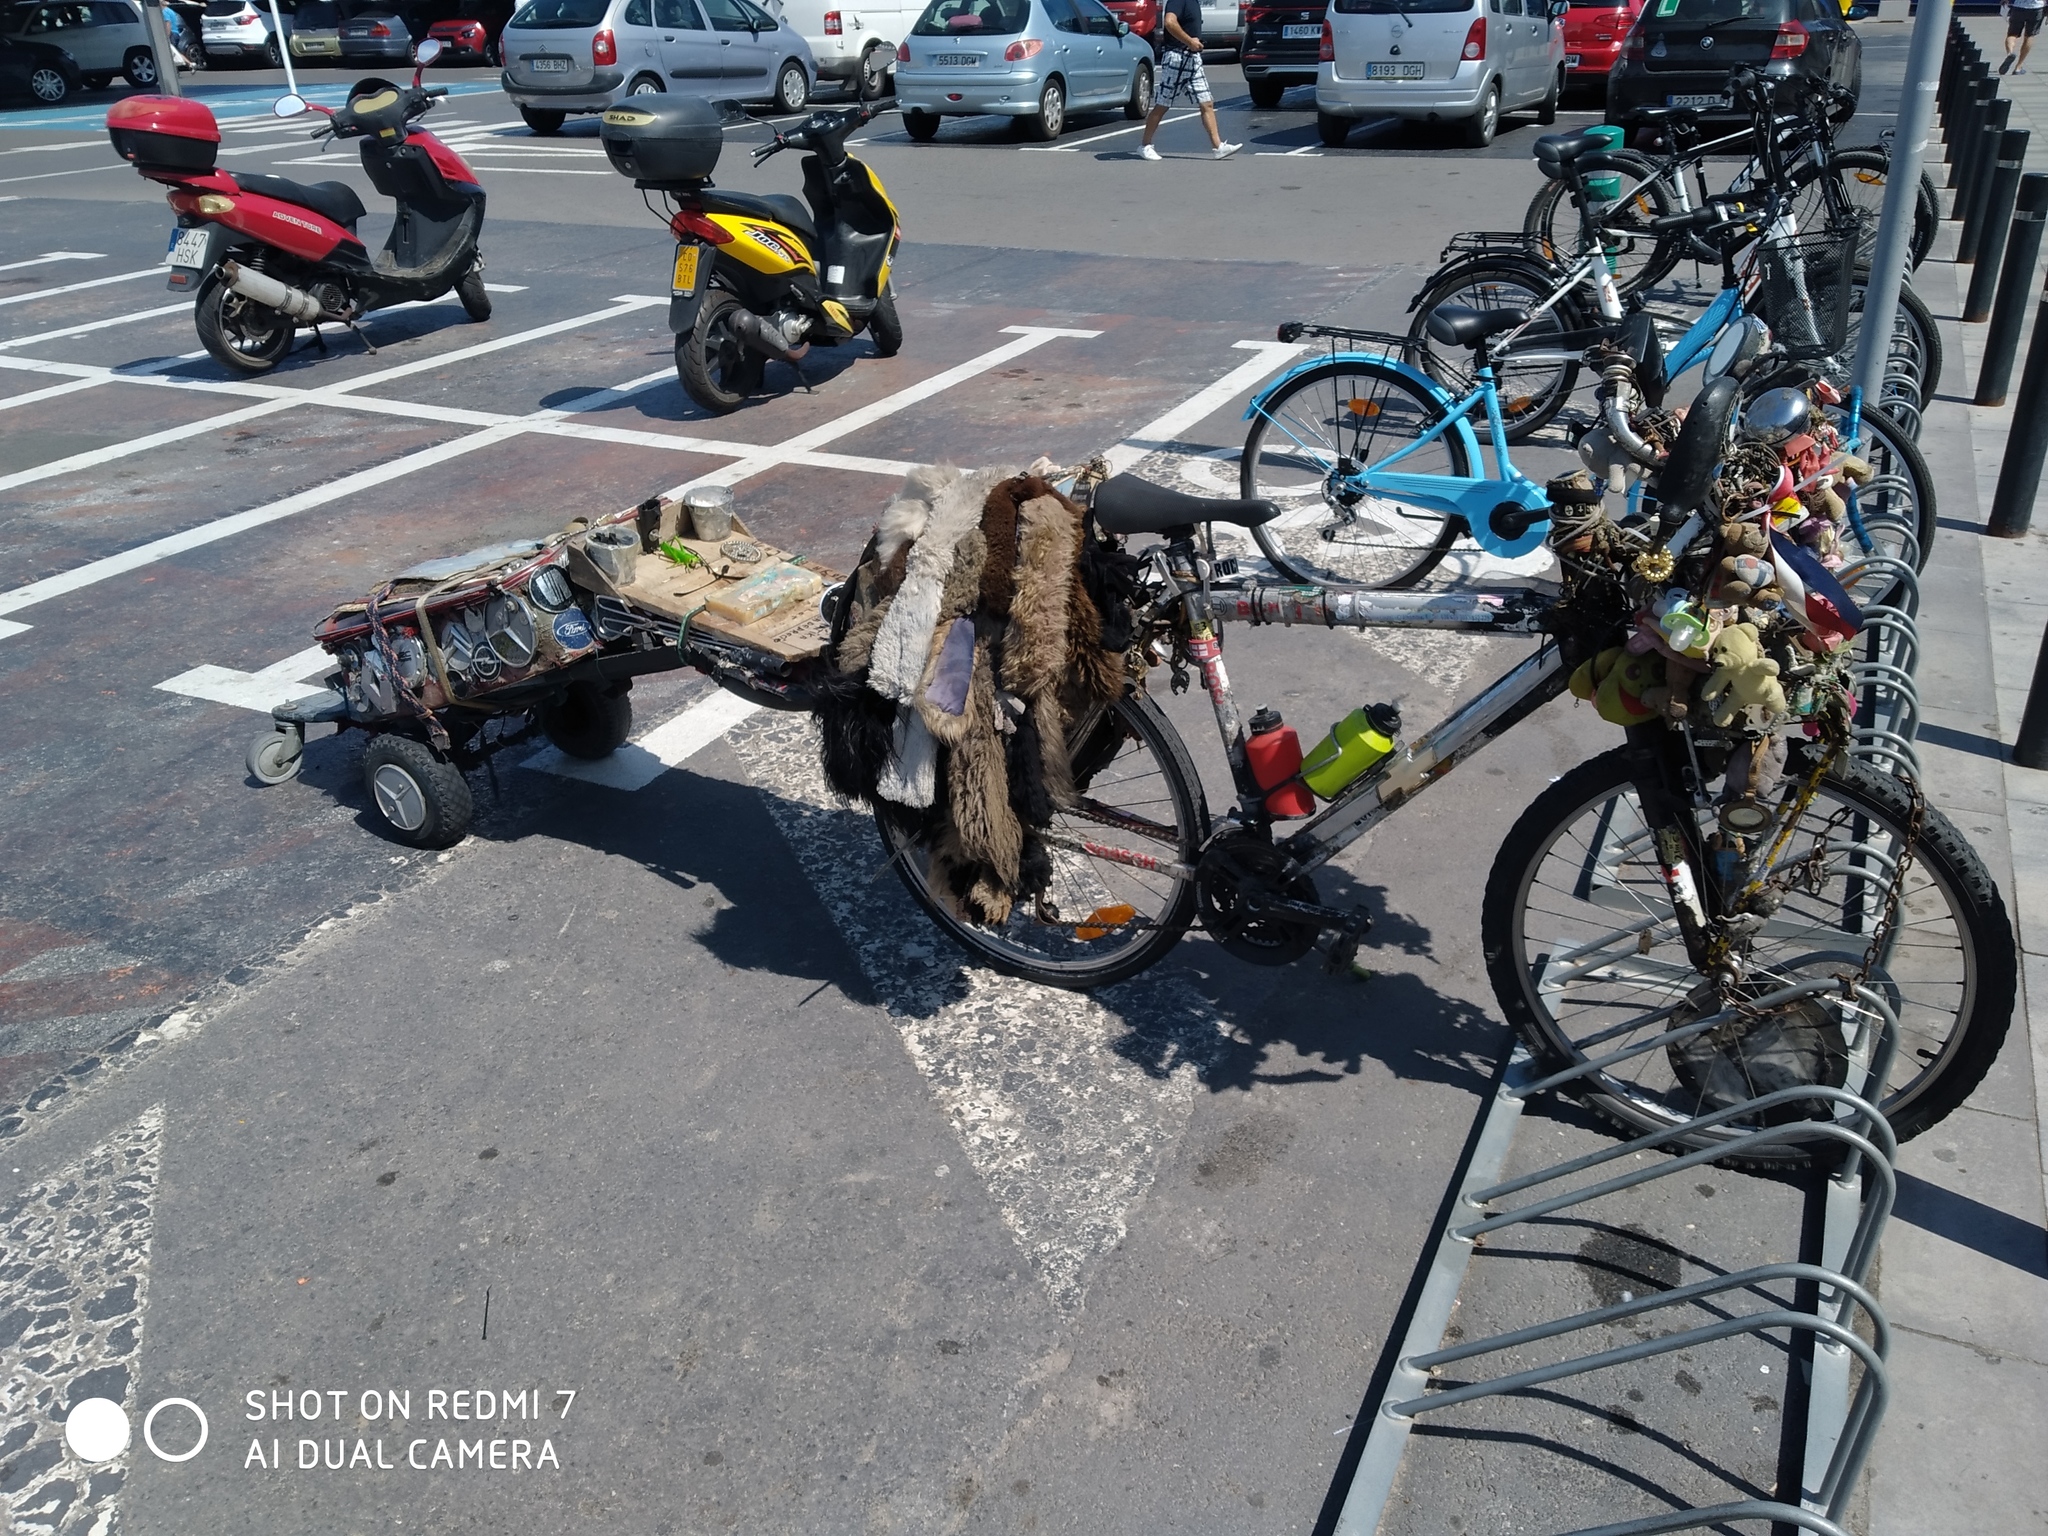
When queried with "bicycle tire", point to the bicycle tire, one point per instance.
{"points": [[1933, 1072], [1891, 452], [1083, 964], [1531, 394], [1261, 474], [1643, 188], [1869, 165]]}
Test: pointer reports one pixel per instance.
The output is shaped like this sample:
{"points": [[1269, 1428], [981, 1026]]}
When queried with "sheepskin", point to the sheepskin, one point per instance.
{"points": [[903, 643]]}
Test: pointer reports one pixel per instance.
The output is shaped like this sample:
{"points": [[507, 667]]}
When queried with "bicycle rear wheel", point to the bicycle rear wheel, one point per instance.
{"points": [[1323, 425], [1860, 175], [1533, 388], [1635, 258], [1122, 856], [1583, 952]]}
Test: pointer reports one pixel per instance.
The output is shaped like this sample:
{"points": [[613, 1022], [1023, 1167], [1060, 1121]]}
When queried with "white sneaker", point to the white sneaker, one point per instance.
{"points": [[1225, 151], [1147, 152]]}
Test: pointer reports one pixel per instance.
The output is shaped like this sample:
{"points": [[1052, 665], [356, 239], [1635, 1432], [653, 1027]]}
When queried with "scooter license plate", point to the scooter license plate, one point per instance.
{"points": [[686, 269], [188, 247]]}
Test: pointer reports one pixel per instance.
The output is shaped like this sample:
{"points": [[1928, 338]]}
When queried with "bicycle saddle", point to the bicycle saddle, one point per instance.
{"points": [[1126, 504], [1456, 326], [1566, 147]]}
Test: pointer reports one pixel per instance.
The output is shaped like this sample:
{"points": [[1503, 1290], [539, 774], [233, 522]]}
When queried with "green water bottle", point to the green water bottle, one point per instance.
{"points": [[1354, 744]]}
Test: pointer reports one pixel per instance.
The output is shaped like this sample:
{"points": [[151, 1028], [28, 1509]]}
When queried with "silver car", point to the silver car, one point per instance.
{"points": [[1034, 60], [564, 57]]}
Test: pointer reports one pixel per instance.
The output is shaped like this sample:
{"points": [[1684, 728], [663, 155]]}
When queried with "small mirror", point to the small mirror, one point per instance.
{"points": [[1559, 9], [427, 51], [1738, 348], [289, 106], [1123, 29]]}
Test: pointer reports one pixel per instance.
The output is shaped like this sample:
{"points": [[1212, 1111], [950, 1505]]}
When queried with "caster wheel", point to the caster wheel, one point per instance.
{"points": [[419, 795], [277, 755]]}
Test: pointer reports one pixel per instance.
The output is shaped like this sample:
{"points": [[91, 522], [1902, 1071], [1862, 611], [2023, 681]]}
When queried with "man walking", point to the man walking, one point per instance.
{"points": [[2022, 26], [1181, 75]]}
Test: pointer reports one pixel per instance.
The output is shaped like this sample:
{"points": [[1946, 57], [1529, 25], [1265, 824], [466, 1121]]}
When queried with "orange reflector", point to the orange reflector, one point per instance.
{"points": [[1104, 920], [1870, 178], [1521, 402], [1363, 407]]}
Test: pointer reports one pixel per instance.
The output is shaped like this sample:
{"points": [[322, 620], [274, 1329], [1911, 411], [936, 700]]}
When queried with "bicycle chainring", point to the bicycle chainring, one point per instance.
{"points": [[1239, 866]]}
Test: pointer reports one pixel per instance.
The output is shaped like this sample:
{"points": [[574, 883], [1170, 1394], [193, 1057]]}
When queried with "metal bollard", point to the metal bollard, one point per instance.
{"points": [[2026, 445], [1978, 188], [2009, 310], [1993, 223], [2030, 750], [1979, 90]]}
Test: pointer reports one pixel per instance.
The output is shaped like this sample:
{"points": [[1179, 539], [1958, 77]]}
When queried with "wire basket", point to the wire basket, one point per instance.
{"points": [[1807, 286]]}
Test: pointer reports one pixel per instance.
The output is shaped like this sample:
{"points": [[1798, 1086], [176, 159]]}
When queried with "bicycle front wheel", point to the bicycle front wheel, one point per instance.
{"points": [[1537, 373], [1320, 428], [1583, 951], [1636, 258], [1122, 885]]}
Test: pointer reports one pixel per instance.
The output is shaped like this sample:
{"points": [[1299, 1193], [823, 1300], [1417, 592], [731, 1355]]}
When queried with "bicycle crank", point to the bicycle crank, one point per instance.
{"points": [[1259, 913]]}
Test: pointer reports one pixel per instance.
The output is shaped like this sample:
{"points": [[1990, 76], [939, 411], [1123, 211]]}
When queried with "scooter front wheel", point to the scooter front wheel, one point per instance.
{"points": [[240, 333], [476, 299], [716, 367], [885, 326]]}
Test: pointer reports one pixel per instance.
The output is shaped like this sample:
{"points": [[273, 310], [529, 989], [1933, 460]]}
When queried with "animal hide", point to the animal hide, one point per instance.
{"points": [[904, 519], [903, 644], [910, 777]]}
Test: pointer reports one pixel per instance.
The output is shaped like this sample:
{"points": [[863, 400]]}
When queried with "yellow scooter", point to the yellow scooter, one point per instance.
{"points": [[761, 276]]}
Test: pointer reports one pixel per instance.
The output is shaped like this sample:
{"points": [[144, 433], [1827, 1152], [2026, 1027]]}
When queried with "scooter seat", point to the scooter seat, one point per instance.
{"points": [[332, 200], [780, 207]]}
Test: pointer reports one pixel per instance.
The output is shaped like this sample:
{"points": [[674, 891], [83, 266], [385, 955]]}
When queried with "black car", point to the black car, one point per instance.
{"points": [[42, 72], [1282, 46], [1681, 52]]}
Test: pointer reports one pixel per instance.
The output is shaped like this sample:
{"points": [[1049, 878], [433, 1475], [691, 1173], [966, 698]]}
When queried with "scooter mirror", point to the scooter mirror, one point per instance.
{"points": [[289, 106], [427, 51], [730, 112]]}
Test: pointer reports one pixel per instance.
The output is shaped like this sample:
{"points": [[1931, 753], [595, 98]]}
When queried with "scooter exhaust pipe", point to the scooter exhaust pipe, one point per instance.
{"points": [[266, 290], [765, 338]]}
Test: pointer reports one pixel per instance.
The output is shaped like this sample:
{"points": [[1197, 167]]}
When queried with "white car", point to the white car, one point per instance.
{"points": [[106, 37], [1450, 61], [854, 44], [241, 29]]}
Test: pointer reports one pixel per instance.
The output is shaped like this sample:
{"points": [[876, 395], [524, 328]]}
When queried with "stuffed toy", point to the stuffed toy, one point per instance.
{"points": [[1744, 678], [1614, 683]]}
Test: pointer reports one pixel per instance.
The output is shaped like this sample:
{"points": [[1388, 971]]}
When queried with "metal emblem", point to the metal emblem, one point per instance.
{"points": [[1393, 48], [1706, 45]]}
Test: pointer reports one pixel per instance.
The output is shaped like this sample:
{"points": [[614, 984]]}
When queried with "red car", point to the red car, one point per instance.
{"points": [[1141, 16], [472, 37], [1593, 34]]}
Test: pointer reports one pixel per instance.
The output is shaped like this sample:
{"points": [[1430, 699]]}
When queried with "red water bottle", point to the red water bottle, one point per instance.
{"points": [[1275, 754]]}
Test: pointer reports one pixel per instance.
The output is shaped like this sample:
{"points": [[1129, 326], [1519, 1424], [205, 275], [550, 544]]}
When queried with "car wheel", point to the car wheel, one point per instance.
{"points": [[491, 55], [1050, 119], [1478, 130], [792, 87], [273, 55], [1141, 93], [922, 127], [1333, 131], [1266, 91], [49, 86], [1841, 115], [1547, 113], [647, 85], [543, 123], [140, 67], [872, 84]]}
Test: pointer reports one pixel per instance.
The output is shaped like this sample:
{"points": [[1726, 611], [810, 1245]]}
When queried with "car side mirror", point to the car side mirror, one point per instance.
{"points": [[427, 51], [1559, 9], [1123, 29], [289, 106]]}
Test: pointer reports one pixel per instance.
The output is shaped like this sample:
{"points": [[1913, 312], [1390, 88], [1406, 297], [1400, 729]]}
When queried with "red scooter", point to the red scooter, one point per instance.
{"points": [[267, 255]]}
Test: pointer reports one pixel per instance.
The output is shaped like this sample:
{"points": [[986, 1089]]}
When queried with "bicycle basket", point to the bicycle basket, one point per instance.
{"points": [[1807, 284]]}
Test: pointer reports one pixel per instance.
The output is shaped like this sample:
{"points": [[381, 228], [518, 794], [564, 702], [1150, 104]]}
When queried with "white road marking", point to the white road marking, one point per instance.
{"points": [[95, 325], [1157, 434], [48, 256], [98, 282], [44, 149], [1078, 144], [278, 683], [667, 746], [83, 170], [10, 627]]}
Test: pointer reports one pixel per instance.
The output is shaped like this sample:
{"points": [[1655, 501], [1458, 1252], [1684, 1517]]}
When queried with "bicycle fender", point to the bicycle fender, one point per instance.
{"points": [[1407, 371]]}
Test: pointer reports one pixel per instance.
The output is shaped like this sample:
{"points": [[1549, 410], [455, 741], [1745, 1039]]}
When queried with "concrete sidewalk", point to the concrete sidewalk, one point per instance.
{"points": [[1963, 1272]]}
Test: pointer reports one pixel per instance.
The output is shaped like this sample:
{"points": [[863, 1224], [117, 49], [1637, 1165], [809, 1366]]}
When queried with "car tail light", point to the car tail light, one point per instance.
{"points": [[1326, 51], [903, 52], [832, 26], [604, 48], [378, 29], [1790, 42], [1475, 41], [1023, 48], [245, 21], [691, 223]]}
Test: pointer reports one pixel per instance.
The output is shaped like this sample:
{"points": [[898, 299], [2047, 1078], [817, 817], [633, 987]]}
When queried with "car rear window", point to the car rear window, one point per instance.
{"points": [[1398, 7], [317, 13], [973, 18], [560, 13], [224, 7], [1598, 5], [1721, 13]]}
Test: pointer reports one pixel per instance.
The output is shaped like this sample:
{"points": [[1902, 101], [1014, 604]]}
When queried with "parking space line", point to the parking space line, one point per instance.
{"points": [[670, 744], [278, 683], [97, 282], [1155, 435], [81, 170], [1068, 149], [93, 325], [37, 261], [44, 149]]}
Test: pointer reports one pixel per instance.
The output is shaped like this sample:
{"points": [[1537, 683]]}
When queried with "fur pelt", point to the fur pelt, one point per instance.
{"points": [[904, 642], [904, 519], [910, 776]]}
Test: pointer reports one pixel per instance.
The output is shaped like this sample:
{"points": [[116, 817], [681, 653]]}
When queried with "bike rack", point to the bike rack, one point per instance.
{"points": [[1841, 1425]]}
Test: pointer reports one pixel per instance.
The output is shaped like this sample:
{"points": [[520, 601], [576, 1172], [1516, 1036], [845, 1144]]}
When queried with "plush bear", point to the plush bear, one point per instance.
{"points": [[1743, 679], [1738, 578], [1745, 538]]}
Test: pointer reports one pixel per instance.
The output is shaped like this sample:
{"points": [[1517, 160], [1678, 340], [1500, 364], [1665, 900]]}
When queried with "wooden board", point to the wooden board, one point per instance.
{"points": [[677, 592]]}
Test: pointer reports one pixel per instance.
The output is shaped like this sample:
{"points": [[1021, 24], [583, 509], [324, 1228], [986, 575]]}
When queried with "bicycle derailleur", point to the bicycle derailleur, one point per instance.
{"points": [[1259, 911]]}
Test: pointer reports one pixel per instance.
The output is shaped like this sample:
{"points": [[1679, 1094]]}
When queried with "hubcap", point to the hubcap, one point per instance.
{"points": [[1055, 111], [400, 798], [47, 84]]}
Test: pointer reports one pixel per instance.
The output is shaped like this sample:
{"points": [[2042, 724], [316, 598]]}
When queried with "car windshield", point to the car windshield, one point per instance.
{"points": [[560, 13], [1398, 7], [1720, 13], [973, 18]]}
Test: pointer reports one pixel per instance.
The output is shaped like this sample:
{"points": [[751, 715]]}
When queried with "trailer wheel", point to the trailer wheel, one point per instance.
{"points": [[589, 720], [419, 794], [278, 754]]}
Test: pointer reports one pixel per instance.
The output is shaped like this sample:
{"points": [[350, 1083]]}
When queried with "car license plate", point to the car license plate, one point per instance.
{"points": [[1310, 33], [548, 66], [686, 269], [1571, 61], [1701, 102], [188, 247], [957, 60], [1391, 71]]}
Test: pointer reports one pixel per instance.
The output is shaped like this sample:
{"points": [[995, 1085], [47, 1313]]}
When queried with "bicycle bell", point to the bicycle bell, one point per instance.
{"points": [[1740, 345], [1776, 416]]}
